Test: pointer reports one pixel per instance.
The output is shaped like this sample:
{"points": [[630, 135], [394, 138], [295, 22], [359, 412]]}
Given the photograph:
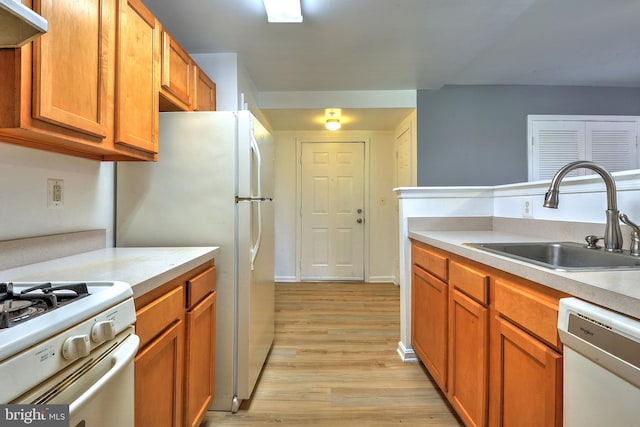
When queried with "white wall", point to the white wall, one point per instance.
{"points": [[88, 193], [381, 215], [234, 88]]}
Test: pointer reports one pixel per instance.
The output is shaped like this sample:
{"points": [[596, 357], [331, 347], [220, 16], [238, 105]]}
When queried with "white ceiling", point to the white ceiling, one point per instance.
{"points": [[361, 45]]}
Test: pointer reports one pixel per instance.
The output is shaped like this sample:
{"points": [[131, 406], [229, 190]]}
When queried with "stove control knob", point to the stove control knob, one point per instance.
{"points": [[103, 331], [76, 346]]}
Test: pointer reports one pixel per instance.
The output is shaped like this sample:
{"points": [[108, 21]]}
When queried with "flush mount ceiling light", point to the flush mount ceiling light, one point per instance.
{"points": [[332, 118], [283, 11]]}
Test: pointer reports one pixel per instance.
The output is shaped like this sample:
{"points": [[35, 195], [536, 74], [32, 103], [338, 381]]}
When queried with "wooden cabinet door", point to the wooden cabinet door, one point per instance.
{"points": [[468, 358], [200, 360], [526, 379], [429, 301], [137, 77], [176, 80], [72, 81], [204, 98], [159, 379]]}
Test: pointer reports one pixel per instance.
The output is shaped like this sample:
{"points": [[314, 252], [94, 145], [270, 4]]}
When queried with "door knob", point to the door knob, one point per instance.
{"points": [[359, 220]]}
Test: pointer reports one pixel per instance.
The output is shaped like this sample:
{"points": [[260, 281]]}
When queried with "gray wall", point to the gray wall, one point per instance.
{"points": [[476, 135]]}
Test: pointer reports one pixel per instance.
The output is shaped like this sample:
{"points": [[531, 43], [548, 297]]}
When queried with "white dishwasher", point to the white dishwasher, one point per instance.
{"points": [[601, 366]]}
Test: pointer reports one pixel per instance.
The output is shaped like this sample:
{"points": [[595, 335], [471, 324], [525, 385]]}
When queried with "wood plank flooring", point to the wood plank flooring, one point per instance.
{"points": [[334, 363]]}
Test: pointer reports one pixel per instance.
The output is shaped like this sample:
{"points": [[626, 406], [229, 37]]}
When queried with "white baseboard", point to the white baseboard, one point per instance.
{"points": [[407, 354], [382, 279], [285, 279]]}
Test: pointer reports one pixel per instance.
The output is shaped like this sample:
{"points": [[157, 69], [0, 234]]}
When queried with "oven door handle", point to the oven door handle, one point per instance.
{"points": [[121, 358]]}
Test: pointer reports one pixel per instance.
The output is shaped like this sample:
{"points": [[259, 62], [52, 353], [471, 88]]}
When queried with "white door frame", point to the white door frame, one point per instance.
{"points": [[367, 210]]}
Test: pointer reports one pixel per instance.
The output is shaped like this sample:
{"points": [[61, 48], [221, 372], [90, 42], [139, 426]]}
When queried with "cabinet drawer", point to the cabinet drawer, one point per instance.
{"points": [[200, 286], [533, 310], [156, 316], [432, 262], [472, 282]]}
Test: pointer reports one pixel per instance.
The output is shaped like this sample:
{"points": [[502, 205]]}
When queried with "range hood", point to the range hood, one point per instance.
{"points": [[19, 24]]}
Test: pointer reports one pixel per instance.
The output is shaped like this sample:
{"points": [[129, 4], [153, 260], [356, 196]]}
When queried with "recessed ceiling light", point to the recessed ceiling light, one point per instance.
{"points": [[283, 11]]}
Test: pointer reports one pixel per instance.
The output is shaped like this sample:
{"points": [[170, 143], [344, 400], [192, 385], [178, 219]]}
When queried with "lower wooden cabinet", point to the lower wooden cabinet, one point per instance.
{"points": [[158, 379], [429, 323], [200, 349], [175, 363], [159, 364], [489, 339], [469, 343], [526, 379], [526, 363], [468, 359]]}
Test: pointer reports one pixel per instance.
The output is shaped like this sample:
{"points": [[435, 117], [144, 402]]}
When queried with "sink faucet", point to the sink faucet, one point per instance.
{"points": [[612, 233]]}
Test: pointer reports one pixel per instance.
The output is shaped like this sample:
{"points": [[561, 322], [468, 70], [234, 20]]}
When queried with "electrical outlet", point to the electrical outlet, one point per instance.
{"points": [[527, 208], [55, 193]]}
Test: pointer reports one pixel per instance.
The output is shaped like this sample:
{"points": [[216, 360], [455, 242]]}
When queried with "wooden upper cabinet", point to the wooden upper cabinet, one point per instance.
{"points": [[204, 98], [92, 85], [183, 85], [57, 91], [137, 77], [71, 81], [177, 76], [89, 86]]}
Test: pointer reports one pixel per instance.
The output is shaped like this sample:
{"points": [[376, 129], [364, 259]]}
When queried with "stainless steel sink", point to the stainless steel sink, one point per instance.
{"points": [[564, 256]]}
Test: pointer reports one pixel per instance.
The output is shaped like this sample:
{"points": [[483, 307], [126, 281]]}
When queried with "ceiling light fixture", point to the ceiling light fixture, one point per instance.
{"points": [[332, 118], [283, 11]]}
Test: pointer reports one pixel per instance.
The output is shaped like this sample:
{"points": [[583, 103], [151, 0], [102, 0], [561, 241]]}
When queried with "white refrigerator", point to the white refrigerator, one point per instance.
{"points": [[212, 186]]}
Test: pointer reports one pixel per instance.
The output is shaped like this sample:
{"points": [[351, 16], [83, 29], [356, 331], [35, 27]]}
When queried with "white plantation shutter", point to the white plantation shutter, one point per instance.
{"points": [[612, 144], [554, 145], [558, 140]]}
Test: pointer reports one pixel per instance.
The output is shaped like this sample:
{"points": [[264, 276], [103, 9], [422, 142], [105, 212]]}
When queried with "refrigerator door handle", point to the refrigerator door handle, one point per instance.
{"points": [[256, 245], [253, 199], [256, 151]]}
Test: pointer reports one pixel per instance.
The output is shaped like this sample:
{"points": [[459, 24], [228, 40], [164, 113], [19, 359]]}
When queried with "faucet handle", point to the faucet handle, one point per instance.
{"points": [[634, 246], [624, 218], [592, 241]]}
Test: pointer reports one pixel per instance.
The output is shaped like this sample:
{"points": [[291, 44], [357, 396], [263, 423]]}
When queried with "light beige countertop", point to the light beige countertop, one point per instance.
{"points": [[616, 289], [142, 268]]}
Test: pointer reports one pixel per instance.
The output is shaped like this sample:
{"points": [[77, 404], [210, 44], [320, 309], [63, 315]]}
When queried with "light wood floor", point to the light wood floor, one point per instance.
{"points": [[334, 363]]}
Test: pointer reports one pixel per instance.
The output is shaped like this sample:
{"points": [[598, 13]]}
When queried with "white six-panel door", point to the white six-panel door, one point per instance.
{"points": [[332, 211]]}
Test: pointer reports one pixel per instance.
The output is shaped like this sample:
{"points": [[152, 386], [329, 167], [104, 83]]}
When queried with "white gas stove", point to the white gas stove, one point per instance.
{"points": [[69, 343]]}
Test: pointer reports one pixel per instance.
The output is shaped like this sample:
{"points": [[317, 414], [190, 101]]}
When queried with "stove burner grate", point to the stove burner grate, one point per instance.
{"points": [[20, 305]]}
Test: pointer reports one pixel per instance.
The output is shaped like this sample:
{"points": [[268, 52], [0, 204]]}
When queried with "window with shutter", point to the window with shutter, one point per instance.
{"points": [[554, 141], [613, 144]]}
